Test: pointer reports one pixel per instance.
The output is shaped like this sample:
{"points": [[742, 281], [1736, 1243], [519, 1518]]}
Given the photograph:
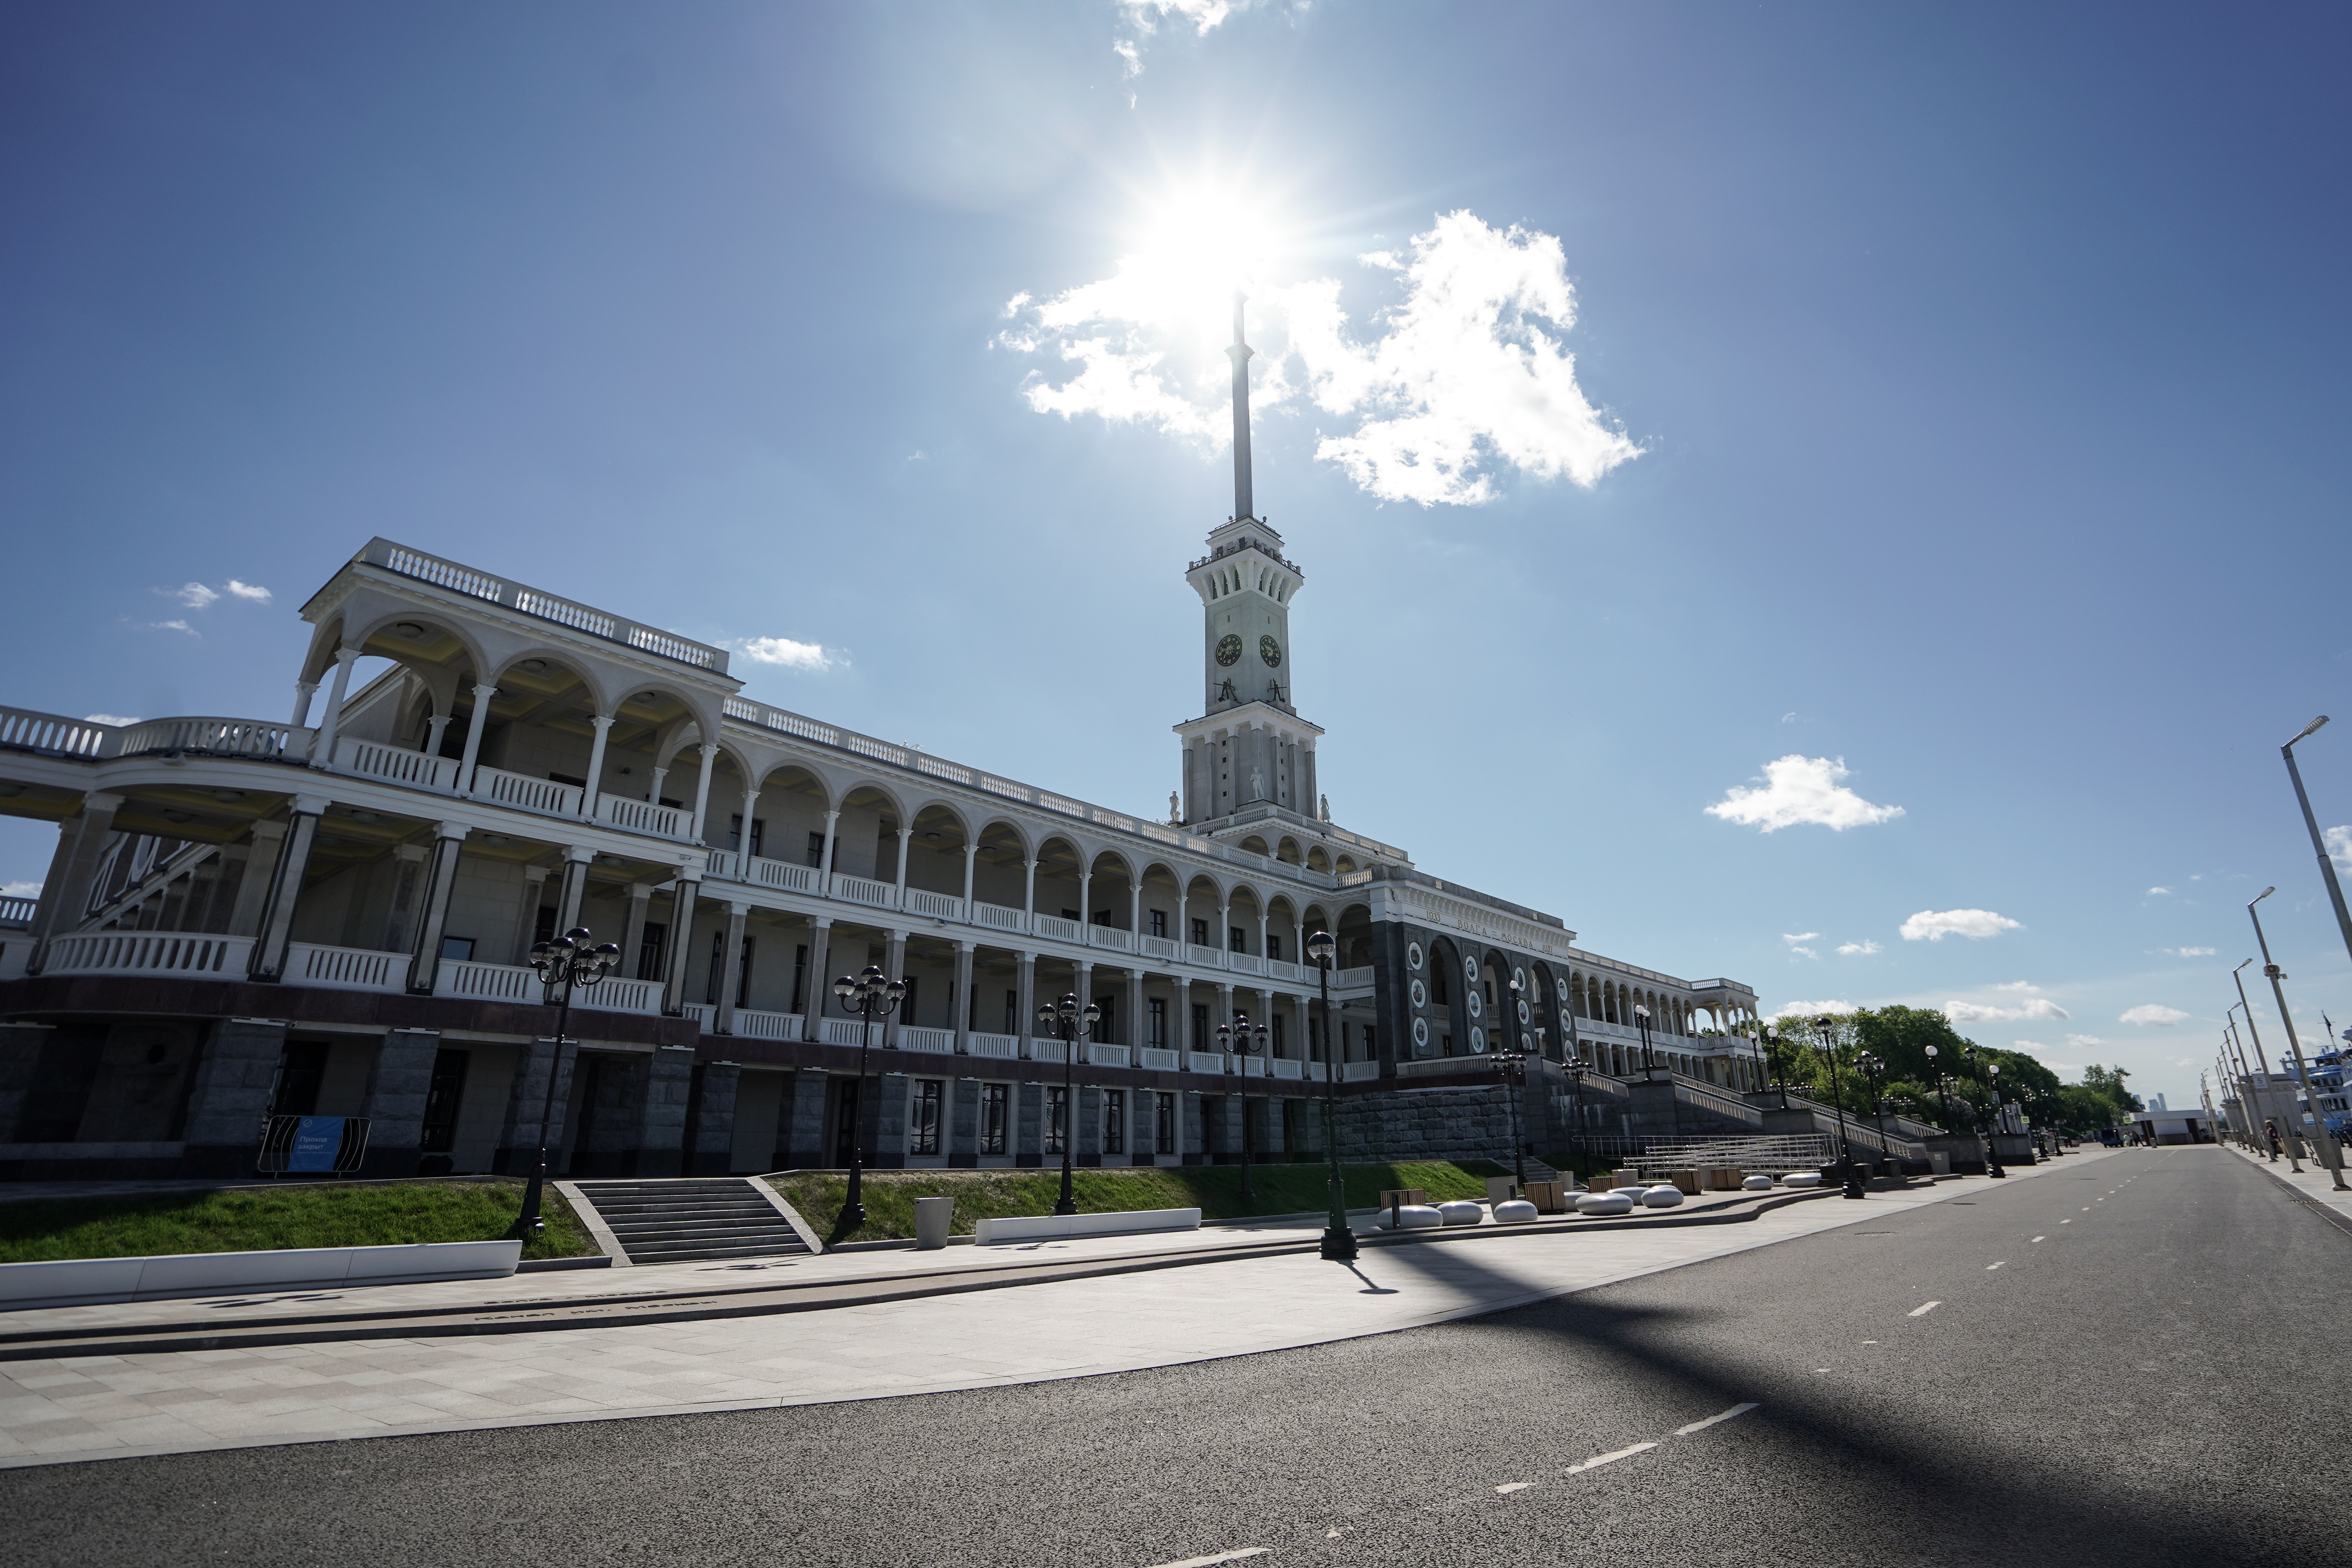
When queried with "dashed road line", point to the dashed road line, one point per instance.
{"points": [[1922, 1312], [1220, 1557], [1508, 1487], [2041, 1238], [1597, 1460], [1721, 1416], [1990, 1267]]}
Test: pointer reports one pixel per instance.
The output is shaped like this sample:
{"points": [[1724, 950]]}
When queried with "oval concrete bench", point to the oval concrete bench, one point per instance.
{"points": [[1662, 1197], [1514, 1211], [1801, 1179], [1604, 1202], [1756, 1184], [1416, 1216], [1632, 1193], [1462, 1211]]}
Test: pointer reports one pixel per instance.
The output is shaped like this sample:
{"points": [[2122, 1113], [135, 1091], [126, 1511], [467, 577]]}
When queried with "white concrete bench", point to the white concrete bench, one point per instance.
{"points": [[81, 1281], [1054, 1226]]}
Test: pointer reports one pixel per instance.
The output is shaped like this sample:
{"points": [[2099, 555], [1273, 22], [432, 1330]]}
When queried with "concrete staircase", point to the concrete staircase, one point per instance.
{"points": [[691, 1218]]}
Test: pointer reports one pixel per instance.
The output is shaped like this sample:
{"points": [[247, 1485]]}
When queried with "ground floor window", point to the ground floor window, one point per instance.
{"points": [[1279, 1048], [1165, 1131], [650, 942], [923, 1118], [441, 1101], [1114, 1122], [1200, 1026], [1159, 1023], [1057, 1120], [995, 1098]]}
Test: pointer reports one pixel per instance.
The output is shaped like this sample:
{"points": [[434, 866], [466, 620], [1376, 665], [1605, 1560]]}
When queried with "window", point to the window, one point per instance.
{"points": [[1159, 1023], [743, 975], [1445, 1045], [543, 928], [1201, 1035], [650, 942], [923, 1118], [1101, 916], [1439, 992], [302, 1068], [717, 961], [816, 851], [1057, 1120], [1234, 940], [441, 1102], [1273, 945], [907, 1005], [1371, 1052], [995, 1099], [458, 949], [800, 979], [1165, 1133], [1160, 922], [1114, 1122], [845, 1120], [1012, 1011], [1069, 914], [1199, 933], [735, 832], [1101, 1033], [1278, 1048]]}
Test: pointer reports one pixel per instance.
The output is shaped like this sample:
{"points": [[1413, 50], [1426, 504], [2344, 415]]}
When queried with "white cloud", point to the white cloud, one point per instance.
{"points": [[1812, 1009], [195, 595], [785, 651], [1858, 949], [2151, 1012], [2080, 1041], [249, 591], [1931, 925], [2156, 892], [1800, 936], [20, 889], [1464, 380], [2186, 951], [115, 719], [2339, 847], [174, 627], [1797, 790], [1979, 1013]]}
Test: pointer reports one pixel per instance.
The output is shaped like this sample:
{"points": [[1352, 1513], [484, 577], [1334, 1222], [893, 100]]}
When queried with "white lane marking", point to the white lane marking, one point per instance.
{"points": [[1866, 1342], [1922, 1312], [1820, 1369], [2065, 1222], [2041, 1238], [1597, 1460], [1721, 1416], [1508, 1487], [1220, 1557], [1990, 1267]]}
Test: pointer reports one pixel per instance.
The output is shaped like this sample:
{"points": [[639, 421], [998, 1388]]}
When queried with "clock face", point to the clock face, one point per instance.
{"points": [[1270, 650], [1229, 649]]}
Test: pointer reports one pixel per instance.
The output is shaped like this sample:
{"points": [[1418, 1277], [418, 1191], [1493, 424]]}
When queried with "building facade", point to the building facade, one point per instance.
{"points": [[332, 915]]}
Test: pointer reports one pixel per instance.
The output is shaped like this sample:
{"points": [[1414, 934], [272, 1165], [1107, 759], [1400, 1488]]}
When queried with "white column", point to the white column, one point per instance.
{"points": [[743, 839], [534, 889], [1224, 1015], [653, 790], [1299, 940], [1135, 915], [322, 749], [1225, 942], [604, 724], [962, 1002], [1085, 912], [633, 933], [895, 962], [904, 835], [302, 690], [473, 724], [971, 853], [434, 728], [702, 790], [1028, 1003], [1261, 930], [825, 877], [730, 976], [1029, 896]]}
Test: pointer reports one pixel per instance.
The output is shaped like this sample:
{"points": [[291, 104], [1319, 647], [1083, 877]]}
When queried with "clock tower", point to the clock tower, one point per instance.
{"points": [[1249, 747]]}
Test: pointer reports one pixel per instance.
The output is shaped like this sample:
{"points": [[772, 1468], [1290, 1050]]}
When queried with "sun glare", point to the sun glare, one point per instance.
{"points": [[1195, 251]]}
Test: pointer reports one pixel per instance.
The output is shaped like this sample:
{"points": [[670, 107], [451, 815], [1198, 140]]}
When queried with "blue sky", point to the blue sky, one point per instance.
{"points": [[1958, 389]]}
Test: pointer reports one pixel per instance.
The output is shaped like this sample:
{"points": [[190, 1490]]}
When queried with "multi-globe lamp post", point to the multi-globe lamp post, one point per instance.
{"points": [[1826, 1026], [1993, 1100], [573, 962], [1067, 1019], [1338, 1240], [1243, 1039], [869, 995]]}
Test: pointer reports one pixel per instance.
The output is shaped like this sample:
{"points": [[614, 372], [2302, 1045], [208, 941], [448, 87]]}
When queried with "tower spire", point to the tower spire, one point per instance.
{"points": [[1245, 504]]}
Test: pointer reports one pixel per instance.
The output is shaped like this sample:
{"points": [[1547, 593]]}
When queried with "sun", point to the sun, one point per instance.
{"points": [[1194, 250]]}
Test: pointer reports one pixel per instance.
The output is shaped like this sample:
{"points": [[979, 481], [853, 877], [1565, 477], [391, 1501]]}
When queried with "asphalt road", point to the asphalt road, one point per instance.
{"points": [[2130, 1360]]}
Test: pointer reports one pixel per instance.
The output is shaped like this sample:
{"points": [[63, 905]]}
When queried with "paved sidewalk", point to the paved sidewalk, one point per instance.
{"points": [[2313, 1183], [170, 1402]]}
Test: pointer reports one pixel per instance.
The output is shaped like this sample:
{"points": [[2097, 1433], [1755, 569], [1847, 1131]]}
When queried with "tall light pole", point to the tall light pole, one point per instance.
{"points": [[1338, 1240], [2318, 845], [1827, 1027], [1769, 1040], [1984, 1131], [1065, 1018], [1872, 1070], [870, 994], [1511, 1067], [2330, 1153], [1242, 1037], [572, 962], [1576, 1067], [1642, 1022], [1943, 1102]]}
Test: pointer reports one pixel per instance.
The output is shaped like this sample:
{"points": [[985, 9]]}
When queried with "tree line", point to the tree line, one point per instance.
{"points": [[1907, 1081]]}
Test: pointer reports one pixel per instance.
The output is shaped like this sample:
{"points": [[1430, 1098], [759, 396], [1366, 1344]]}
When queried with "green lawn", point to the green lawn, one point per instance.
{"points": [[266, 1219], [1215, 1190]]}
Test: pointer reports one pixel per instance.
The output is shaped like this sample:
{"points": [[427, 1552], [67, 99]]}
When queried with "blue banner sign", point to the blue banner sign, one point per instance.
{"points": [[316, 1142]]}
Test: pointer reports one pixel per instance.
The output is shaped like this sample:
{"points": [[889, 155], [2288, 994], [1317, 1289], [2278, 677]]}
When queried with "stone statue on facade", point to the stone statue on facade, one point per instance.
{"points": [[1257, 783], [1175, 812], [1325, 811]]}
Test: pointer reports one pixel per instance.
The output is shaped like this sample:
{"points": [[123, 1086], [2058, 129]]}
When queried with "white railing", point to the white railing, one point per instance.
{"points": [[866, 890], [17, 912], [1059, 929], [1158, 946], [346, 968], [939, 906], [1205, 1061], [527, 793], [1721, 1105], [784, 874], [1158, 1061], [932, 1042], [150, 953], [596, 623], [1247, 963], [1109, 936], [997, 1047], [488, 982], [1207, 957], [1355, 978], [765, 1026], [1282, 969], [997, 917], [1286, 1067], [840, 1031], [1359, 1072], [719, 863], [27, 730], [1042, 1050], [1106, 1056], [219, 737], [618, 995], [642, 817], [704, 1015], [394, 764]]}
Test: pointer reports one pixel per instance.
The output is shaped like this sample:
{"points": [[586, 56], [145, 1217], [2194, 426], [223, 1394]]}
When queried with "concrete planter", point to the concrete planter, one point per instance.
{"points": [[1050, 1226], [82, 1281]]}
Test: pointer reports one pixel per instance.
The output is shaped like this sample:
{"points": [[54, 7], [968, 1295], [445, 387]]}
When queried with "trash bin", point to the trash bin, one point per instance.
{"points": [[933, 1219]]}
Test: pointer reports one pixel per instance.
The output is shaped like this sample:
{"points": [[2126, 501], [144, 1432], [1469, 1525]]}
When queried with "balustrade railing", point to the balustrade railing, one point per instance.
{"points": [[1110, 937], [1158, 1061], [395, 764], [1245, 963], [211, 736], [488, 982], [996, 1047], [1287, 1066], [866, 890], [784, 874], [760, 1026], [23, 730], [939, 906], [1046, 1050], [996, 917], [346, 968], [1158, 946], [642, 817], [150, 953], [1103, 1056], [933, 1042], [527, 793], [1359, 1072], [461, 579], [16, 913], [1207, 957], [843, 1031], [1205, 1061], [1060, 930]]}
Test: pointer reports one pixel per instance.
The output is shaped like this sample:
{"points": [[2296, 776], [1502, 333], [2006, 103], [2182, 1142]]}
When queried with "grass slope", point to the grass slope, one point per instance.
{"points": [[1215, 1190], [268, 1219]]}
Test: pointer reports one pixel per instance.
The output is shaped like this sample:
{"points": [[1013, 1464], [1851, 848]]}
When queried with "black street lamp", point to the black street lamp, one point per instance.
{"points": [[1242, 1038], [870, 995], [1874, 1073], [1992, 1095], [1827, 1026], [1066, 1019], [1511, 1067], [1940, 1098], [1576, 1067], [1642, 1022], [569, 962], [1338, 1239], [1769, 1040]]}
